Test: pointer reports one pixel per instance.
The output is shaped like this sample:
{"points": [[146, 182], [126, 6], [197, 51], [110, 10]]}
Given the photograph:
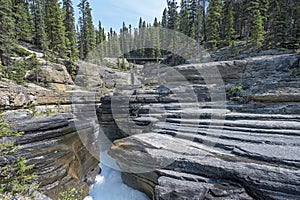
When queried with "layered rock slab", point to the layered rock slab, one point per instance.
{"points": [[245, 148], [54, 146]]}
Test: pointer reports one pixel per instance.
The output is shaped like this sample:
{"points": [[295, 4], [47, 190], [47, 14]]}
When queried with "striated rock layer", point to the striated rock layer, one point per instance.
{"points": [[53, 137], [53, 145], [189, 142], [60, 124]]}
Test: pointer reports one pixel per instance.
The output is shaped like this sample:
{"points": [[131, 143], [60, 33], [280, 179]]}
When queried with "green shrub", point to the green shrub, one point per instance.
{"points": [[32, 108], [15, 72], [235, 91], [71, 194], [15, 177]]}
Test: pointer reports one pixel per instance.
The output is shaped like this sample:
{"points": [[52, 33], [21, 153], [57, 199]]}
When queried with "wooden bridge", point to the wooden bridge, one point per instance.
{"points": [[140, 60]]}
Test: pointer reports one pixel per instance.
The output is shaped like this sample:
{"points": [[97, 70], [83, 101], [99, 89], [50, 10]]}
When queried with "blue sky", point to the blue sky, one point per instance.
{"points": [[112, 13]]}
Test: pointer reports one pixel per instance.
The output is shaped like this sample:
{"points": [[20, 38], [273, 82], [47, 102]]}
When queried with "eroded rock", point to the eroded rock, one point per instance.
{"points": [[192, 147]]}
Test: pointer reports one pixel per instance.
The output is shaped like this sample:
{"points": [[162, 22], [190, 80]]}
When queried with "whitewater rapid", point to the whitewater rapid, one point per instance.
{"points": [[109, 184]]}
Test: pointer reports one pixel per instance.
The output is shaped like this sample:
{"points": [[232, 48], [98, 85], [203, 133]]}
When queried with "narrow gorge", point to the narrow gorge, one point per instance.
{"points": [[173, 134], [140, 100]]}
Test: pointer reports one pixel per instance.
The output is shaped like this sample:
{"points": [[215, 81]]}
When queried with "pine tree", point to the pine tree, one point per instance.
{"points": [[296, 27], [110, 43], [98, 33], [131, 40], [164, 24], [257, 29], [204, 29], [214, 22], [135, 42], [7, 31], [252, 16], [192, 18], [184, 22], [39, 33], [141, 37], [156, 39], [240, 17], [229, 21], [264, 11], [116, 44], [87, 34], [284, 24], [124, 39], [276, 35], [23, 20], [199, 26], [54, 27], [70, 34], [164, 21], [172, 19]]}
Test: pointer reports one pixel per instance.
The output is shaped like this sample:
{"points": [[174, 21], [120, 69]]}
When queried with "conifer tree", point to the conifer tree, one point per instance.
{"points": [[204, 30], [116, 44], [156, 39], [251, 15], [54, 27], [135, 41], [281, 24], [39, 33], [276, 35], [184, 22], [70, 34], [264, 11], [110, 43], [172, 19], [257, 29], [192, 18], [164, 24], [214, 22], [199, 26], [98, 33], [296, 27], [164, 21], [229, 23], [141, 37], [87, 34], [124, 39], [23, 20], [7, 30], [131, 40]]}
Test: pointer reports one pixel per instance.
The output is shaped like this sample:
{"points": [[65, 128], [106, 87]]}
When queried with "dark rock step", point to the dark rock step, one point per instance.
{"points": [[289, 125], [267, 132], [172, 188], [189, 157], [278, 154]]}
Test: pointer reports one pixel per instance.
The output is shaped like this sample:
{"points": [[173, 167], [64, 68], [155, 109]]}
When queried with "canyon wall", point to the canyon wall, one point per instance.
{"points": [[189, 141], [52, 136]]}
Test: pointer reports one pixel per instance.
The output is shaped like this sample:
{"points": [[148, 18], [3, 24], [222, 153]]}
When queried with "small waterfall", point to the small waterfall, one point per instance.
{"points": [[109, 184]]}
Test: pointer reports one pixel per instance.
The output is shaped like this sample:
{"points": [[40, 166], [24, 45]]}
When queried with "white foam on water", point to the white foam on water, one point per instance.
{"points": [[109, 185]]}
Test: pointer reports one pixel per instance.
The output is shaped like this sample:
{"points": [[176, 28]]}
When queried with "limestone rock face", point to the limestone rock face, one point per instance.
{"points": [[186, 143], [51, 73], [54, 146], [60, 141]]}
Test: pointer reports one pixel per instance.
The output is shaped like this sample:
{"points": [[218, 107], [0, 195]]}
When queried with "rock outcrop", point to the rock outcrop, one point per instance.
{"points": [[189, 142], [53, 145], [52, 139], [55, 139], [60, 124], [51, 73]]}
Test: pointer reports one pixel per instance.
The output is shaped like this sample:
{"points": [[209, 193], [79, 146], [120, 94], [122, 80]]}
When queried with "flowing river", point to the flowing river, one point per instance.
{"points": [[109, 184]]}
